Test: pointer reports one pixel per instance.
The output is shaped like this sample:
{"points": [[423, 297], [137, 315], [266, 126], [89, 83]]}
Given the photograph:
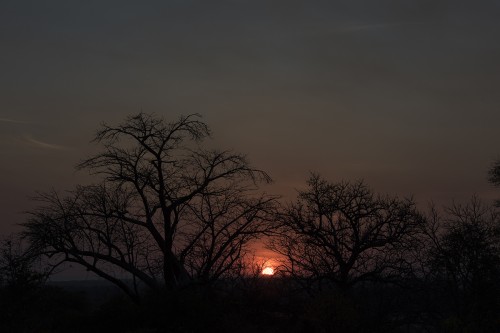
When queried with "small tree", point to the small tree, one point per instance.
{"points": [[464, 263], [167, 212], [343, 233], [20, 267], [494, 175]]}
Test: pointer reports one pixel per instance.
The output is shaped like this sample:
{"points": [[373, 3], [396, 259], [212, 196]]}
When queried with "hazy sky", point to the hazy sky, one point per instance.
{"points": [[404, 94]]}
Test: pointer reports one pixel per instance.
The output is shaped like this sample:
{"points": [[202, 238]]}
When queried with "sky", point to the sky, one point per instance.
{"points": [[400, 93]]}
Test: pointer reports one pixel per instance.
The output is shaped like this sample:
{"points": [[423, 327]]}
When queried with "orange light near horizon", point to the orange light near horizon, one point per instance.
{"points": [[268, 271]]}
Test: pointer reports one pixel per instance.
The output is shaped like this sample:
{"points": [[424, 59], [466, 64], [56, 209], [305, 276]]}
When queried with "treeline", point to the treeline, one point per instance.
{"points": [[169, 222]]}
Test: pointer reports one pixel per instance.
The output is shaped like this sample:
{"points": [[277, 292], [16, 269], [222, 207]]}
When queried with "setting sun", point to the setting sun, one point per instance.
{"points": [[268, 271]]}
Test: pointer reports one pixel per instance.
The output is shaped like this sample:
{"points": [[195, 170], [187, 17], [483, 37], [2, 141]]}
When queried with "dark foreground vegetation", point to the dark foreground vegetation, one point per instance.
{"points": [[168, 225], [262, 305]]}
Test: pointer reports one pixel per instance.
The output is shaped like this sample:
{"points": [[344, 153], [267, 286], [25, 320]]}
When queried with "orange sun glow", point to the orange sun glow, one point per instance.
{"points": [[268, 271]]}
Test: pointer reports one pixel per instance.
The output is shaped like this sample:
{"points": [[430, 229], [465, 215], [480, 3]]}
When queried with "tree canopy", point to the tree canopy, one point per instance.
{"points": [[165, 210], [344, 233]]}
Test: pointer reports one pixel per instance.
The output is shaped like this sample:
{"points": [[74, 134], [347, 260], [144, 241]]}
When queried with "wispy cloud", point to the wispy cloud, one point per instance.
{"points": [[375, 26], [45, 145], [12, 121]]}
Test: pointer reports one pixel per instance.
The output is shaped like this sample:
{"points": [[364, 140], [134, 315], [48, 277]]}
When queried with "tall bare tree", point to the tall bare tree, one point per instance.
{"points": [[343, 233], [166, 211]]}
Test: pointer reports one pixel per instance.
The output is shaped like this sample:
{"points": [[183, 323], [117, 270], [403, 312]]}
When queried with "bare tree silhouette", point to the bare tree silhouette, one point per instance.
{"points": [[342, 233], [494, 173], [463, 264], [20, 267], [167, 212], [494, 176]]}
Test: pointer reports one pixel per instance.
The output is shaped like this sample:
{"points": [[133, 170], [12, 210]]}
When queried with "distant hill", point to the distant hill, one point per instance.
{"points": [[94, 291]]}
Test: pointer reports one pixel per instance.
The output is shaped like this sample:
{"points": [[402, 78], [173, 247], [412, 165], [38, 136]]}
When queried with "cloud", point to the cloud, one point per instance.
{"points": [[45, 145], [12, 121], [361, 27], [26, 139]]}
